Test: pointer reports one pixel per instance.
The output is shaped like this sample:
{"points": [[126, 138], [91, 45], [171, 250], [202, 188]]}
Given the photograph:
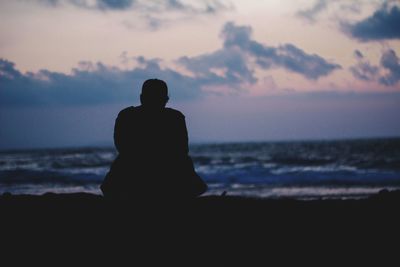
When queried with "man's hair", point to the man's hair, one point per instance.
{"points": [[155, 87], [154, 91]]}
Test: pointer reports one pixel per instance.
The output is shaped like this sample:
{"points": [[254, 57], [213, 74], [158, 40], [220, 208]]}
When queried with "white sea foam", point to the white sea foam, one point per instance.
{"points": [[289, 169]]}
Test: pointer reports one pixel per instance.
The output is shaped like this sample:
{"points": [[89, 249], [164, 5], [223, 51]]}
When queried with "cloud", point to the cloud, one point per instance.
{"points": [[352, 7], [382, 24], [388, 73], [197, 7], [226, 66], [391, 63], [358, 54], [154, 14], [114, 4], [96, 83], [363, 70], [90, 83], [287, 56], [103, 5], [311, 13], [311, 66], [232, 67], [239, 50], [338, 9]]}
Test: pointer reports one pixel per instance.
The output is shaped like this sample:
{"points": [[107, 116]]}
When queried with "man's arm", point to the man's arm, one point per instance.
{"points": [[121, 131], [118, 134], [183, 141]]}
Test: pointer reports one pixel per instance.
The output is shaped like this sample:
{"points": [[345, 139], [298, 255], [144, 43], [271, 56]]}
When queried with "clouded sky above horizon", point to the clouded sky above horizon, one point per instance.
{"points": [[239, 70]]}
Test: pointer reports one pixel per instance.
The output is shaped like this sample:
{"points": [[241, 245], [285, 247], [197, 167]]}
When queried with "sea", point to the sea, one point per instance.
{"points": [[336, 169]]}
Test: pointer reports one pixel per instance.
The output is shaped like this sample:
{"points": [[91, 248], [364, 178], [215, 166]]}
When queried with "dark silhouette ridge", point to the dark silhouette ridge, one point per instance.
{"points": [[153, 155], [88, 228]]}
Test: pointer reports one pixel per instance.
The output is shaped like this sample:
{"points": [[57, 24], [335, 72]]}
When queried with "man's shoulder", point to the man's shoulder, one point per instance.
{"points": [[130, 111], [126, 111], [174, 112]]}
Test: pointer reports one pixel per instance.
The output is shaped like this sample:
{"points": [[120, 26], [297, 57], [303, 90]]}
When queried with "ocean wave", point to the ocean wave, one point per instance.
{"points": [[55, 160], [238, 166], [46, 177], [303, 193]]}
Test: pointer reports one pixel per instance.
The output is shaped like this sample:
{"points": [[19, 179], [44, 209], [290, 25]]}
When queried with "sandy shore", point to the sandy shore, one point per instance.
{"points": [[212, 224], [236, 210]]}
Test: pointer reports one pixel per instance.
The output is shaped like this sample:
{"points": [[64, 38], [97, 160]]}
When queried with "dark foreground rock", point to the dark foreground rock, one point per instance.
{"points": [[212, 224], [240, 210]]}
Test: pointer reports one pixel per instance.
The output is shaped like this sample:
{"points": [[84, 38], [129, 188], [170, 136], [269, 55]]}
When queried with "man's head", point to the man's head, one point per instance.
{"points": [[154, 93]]}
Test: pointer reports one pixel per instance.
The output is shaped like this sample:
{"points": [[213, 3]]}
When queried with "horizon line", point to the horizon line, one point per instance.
{"points": [[209, 142]]}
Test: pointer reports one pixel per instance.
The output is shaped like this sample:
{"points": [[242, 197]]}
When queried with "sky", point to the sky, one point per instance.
{"points": [[240, 70]]}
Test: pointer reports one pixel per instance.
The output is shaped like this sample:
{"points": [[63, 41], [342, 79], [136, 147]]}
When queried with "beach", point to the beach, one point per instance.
{"points": [[207, 230], [236, 212], [332, 169], [328, 198]]}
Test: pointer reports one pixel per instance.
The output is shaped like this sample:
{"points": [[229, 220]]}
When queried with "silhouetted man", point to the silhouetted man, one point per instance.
{"points": [[152, 143]]}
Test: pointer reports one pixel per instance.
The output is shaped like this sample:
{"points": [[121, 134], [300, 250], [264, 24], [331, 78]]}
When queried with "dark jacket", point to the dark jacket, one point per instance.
{"points": [[153, 158]]}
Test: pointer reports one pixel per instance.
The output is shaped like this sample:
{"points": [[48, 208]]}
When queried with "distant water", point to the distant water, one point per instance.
{"points": [[305, 170]]}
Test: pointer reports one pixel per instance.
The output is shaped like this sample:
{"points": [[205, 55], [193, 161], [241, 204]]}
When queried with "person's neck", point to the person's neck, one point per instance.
{"points": [[152, 108]]}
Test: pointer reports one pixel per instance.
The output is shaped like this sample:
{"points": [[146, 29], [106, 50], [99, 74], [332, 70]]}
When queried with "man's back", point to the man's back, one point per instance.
{"points": [[152, 143], [142, 132]]}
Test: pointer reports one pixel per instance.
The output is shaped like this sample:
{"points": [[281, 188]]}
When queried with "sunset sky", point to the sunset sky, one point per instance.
{"points": [[240, 70]]}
